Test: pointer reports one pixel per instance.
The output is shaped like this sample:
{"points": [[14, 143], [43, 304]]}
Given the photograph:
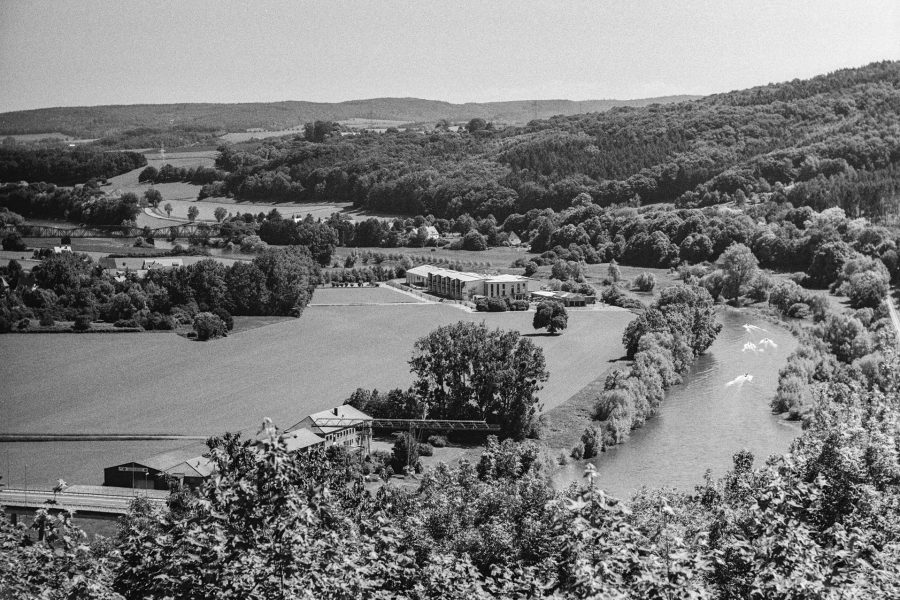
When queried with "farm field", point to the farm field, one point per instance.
{"points": [[164, 383], [246, 136]]}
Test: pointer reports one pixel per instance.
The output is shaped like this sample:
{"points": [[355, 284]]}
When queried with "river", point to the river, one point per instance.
{"points": [[715, 412]]}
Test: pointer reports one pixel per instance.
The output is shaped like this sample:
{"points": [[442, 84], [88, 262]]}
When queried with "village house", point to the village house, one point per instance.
{"points": [[342, 425]]}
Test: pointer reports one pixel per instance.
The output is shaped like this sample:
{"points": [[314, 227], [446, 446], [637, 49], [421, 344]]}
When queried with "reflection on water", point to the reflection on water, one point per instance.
{"points": [[722, 407]]}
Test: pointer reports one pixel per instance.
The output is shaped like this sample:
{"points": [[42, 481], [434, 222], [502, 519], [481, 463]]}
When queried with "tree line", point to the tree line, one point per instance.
{"points": [[64, 166], [70, 286]]}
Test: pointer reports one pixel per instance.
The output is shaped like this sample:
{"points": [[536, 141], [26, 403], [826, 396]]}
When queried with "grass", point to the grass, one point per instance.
{"points": [[162, 382], [328, 296]]}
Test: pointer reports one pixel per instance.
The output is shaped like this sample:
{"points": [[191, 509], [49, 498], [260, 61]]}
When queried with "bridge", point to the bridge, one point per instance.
{"points": [[115, 501], [180, 230]]}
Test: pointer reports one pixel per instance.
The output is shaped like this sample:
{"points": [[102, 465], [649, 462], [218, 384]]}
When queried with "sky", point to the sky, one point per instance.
{"points": [[90, 52]]}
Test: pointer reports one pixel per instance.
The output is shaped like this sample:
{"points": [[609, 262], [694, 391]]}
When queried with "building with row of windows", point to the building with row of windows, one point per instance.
{"points": [[462, 285]]}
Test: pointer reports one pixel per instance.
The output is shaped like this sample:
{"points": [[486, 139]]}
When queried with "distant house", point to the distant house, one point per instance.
{"points": [[4, 286], [431, 232], [186, 464], [162, 263], [343, 425], [61, 249]]}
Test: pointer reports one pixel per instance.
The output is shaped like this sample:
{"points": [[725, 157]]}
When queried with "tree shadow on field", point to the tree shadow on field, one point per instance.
{"points": [[623, 358], [541, 334]]}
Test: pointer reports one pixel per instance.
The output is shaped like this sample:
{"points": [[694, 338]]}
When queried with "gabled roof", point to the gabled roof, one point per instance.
{"points": [[199, 466], [164, 461], [300, 439], [322, 422], [422, 270]]}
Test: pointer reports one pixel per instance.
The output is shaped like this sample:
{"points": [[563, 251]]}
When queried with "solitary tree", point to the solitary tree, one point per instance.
{"points": [[613, 271], [740, 267], [153, 197], [168, 209], [220, 213], [551, 315], [193, 211], [467, 371]]}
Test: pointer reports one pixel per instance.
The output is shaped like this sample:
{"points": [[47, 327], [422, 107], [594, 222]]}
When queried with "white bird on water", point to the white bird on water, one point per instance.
{"points": [[748, 328], [767, 343], [751, 347], [740, 380]]}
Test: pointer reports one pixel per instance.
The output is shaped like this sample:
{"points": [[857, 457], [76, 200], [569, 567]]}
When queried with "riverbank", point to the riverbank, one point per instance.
{"points": [[701, 423]]}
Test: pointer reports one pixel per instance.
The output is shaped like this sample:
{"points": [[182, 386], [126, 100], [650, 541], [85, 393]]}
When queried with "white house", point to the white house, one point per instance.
{"points": [[342, 425]]}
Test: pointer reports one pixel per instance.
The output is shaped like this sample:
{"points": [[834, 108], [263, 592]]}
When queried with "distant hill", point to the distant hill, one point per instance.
{"points": [[101, 121]]}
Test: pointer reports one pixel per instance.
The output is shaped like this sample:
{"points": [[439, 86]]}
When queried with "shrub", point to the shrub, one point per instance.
{"points": [[209, 326], [481, 305], [437, 441], [531, 268], [592, 442], [519, 305], [126, 323], [24, 324], [496, 305], [46, 319], [645, 282], [82, 323], [798, 310], [13, 242], [426, 450], [405, 452], [577, 452], [226, 318]]}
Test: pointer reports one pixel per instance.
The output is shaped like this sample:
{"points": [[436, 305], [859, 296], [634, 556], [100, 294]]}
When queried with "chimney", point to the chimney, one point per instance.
{"points": [[335, 411]]}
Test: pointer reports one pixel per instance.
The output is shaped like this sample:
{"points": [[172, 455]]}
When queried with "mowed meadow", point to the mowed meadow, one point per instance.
{"points": [[347, 338]]}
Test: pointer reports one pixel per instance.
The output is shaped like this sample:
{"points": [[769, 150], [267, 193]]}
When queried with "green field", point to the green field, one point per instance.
{"points": [[165, 383], [328, 296]]}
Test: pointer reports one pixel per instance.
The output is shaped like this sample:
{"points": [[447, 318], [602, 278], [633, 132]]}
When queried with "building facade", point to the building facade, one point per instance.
{"points": [[462, 285]]}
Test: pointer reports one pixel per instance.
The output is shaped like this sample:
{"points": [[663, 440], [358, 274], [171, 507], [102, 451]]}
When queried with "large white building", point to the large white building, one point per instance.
{"points": [[462, 285]]}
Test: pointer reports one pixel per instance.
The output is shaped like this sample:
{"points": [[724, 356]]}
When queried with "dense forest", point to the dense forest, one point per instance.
{"points": [[811, 139], [67, 166]]}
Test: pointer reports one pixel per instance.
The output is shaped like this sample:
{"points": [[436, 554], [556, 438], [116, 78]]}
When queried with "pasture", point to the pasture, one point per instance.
{"points": [[164, 383]]}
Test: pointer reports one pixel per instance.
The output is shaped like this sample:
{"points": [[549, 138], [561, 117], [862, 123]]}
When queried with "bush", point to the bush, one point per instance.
{"points": [[798, 310], [519, 305], [226, 318], [577, 452], [645, 282], [24, 324], [126, 323], [405, 452], [82, 323], [437, 441], [426, 450], [531, 268], [12, 242], [209, 326], [592, 442], [46, 319], [496, 305]]}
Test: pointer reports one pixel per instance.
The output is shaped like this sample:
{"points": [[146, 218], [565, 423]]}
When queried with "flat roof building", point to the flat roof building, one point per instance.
{"points": [[463, 285]]}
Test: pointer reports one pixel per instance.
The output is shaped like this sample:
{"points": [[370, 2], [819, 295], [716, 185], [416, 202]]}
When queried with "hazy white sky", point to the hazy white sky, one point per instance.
{"points": [[88, 52]]}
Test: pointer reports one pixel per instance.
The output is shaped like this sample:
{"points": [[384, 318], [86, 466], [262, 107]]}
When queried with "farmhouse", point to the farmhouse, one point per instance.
{"points": [[62, 249], [431, 232], [461, 285], [342, 425]]}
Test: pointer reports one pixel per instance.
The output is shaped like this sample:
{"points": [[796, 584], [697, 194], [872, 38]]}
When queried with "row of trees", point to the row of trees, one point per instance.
{"points": [[662, 343], [67, 286], [64, 166], [87, 204]]}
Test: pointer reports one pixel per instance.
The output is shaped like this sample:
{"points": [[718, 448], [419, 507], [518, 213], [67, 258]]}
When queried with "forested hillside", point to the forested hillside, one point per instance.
{"points": [[833, 140], [103, 121]]}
